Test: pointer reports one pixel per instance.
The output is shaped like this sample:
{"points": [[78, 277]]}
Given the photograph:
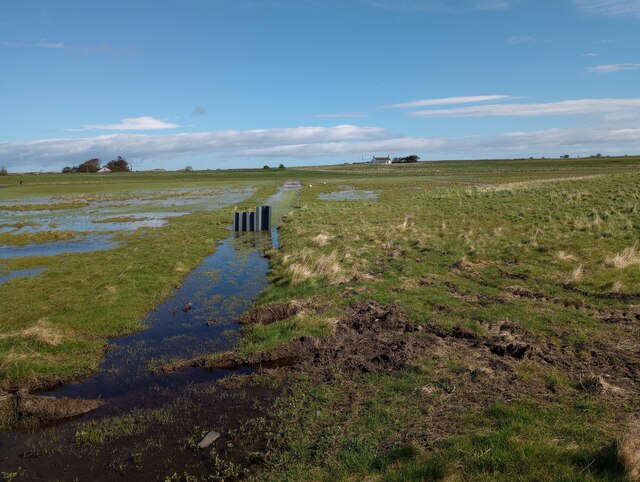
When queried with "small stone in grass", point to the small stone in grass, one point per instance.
{"points": [[209, 439]]}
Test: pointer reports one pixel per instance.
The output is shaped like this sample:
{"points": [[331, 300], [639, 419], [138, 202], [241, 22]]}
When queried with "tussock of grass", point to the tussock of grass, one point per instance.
{"points": [[629, 452], [321, 239], [626, 258], [309, 265], [576, 274], [41, 330], [36, 238]]}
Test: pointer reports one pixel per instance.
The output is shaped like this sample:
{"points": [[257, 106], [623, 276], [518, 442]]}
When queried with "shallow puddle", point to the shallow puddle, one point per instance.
{"points": [[149, 212], [84, 244], [349, 195], [20, 273]]}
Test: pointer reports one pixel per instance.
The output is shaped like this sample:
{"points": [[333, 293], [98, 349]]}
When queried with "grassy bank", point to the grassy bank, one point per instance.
{"points": [[539, 257]]}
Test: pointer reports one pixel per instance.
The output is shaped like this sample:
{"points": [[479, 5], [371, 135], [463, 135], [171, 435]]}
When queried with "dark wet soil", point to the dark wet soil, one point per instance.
{"points": [[161, 445]]}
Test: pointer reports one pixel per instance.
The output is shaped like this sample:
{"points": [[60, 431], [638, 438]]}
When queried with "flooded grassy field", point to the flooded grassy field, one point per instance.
{"points": [[458, 321]]}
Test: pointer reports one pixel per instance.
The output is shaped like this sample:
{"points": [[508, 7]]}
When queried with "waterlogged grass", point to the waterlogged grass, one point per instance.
{"points": [[135, 422], [82, 299], [22, 239], [44, 207]]}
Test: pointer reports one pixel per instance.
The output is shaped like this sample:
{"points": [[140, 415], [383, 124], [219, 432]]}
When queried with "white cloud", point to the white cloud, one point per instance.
{"points": [[609, 8], [567, 107], [612, 68], [144, 123], [447, 101], [333, 143], [230, 143]]}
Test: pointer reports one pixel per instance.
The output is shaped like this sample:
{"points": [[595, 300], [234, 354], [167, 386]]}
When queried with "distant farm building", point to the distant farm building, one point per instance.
{"points": [[381, 160], [104, 170]]}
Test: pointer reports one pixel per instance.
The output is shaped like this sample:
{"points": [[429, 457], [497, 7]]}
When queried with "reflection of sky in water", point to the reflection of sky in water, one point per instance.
{"points": [[84, 244], [147, 212], [20, 273], [350, 195]]}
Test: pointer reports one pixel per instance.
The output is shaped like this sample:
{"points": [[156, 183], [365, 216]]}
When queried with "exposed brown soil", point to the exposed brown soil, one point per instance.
{"points": [[270, 313], [371, 338], [375, 338], [603, 296]]}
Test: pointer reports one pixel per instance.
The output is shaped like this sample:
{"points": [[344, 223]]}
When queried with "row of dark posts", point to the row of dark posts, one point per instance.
{"points": [[258, 220]]}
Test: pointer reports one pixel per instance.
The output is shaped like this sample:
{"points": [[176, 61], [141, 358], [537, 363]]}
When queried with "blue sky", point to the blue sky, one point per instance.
{"points": [[242, 83]]}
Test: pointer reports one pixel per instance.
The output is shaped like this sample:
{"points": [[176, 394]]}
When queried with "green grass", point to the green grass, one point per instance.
{"points": [[473, 245]]}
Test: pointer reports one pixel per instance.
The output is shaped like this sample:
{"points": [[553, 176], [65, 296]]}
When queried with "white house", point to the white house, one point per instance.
{"points": [[381, 160], [104, 170]]}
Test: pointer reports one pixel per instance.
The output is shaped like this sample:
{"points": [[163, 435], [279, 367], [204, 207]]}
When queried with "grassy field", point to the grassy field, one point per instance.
{"points": [[511, 291], [495, 258]]}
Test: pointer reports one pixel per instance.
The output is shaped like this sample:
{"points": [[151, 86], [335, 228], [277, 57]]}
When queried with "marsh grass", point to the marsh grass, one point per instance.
{"points": [[41, 237], [86, 298], [448, 255]]}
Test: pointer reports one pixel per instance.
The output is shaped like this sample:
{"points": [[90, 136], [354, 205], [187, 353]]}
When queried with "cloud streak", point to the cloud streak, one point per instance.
{"points": [[144, 123], [446, 101], [42, 44], [609, 8], [612, 68], [567, 107]]}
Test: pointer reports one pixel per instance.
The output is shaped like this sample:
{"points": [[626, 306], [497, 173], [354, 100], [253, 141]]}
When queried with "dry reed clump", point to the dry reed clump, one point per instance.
{"points": [[41, 330], [577, 273], [180, 267], [409, 221], [309, 266], [629, 451], [565, 256], [628, 257], [321, 239]]}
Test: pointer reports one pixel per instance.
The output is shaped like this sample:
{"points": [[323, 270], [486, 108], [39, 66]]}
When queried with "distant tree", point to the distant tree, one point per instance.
{"points": [[405, 160], [69, 169], [265, 167], [565, 156], [92, 165], [119, 164], [188, 169], [281, 166], [3, 171]]}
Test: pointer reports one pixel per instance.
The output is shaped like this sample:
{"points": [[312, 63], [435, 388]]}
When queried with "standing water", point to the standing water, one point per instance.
{"points": [[199, 319]]}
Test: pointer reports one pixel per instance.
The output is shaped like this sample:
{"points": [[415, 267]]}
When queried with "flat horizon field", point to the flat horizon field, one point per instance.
{"points": [[459, 320]]}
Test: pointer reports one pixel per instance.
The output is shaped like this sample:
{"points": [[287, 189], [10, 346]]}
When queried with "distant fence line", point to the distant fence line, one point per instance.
{"points": [[258, 220]]}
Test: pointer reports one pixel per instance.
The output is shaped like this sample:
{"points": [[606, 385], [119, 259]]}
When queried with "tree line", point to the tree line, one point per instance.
{"points": [[119, 164], [405, 160]]}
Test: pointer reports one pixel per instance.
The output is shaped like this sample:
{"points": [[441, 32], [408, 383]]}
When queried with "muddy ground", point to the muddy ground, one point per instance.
{"points": [[369, 338]]}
